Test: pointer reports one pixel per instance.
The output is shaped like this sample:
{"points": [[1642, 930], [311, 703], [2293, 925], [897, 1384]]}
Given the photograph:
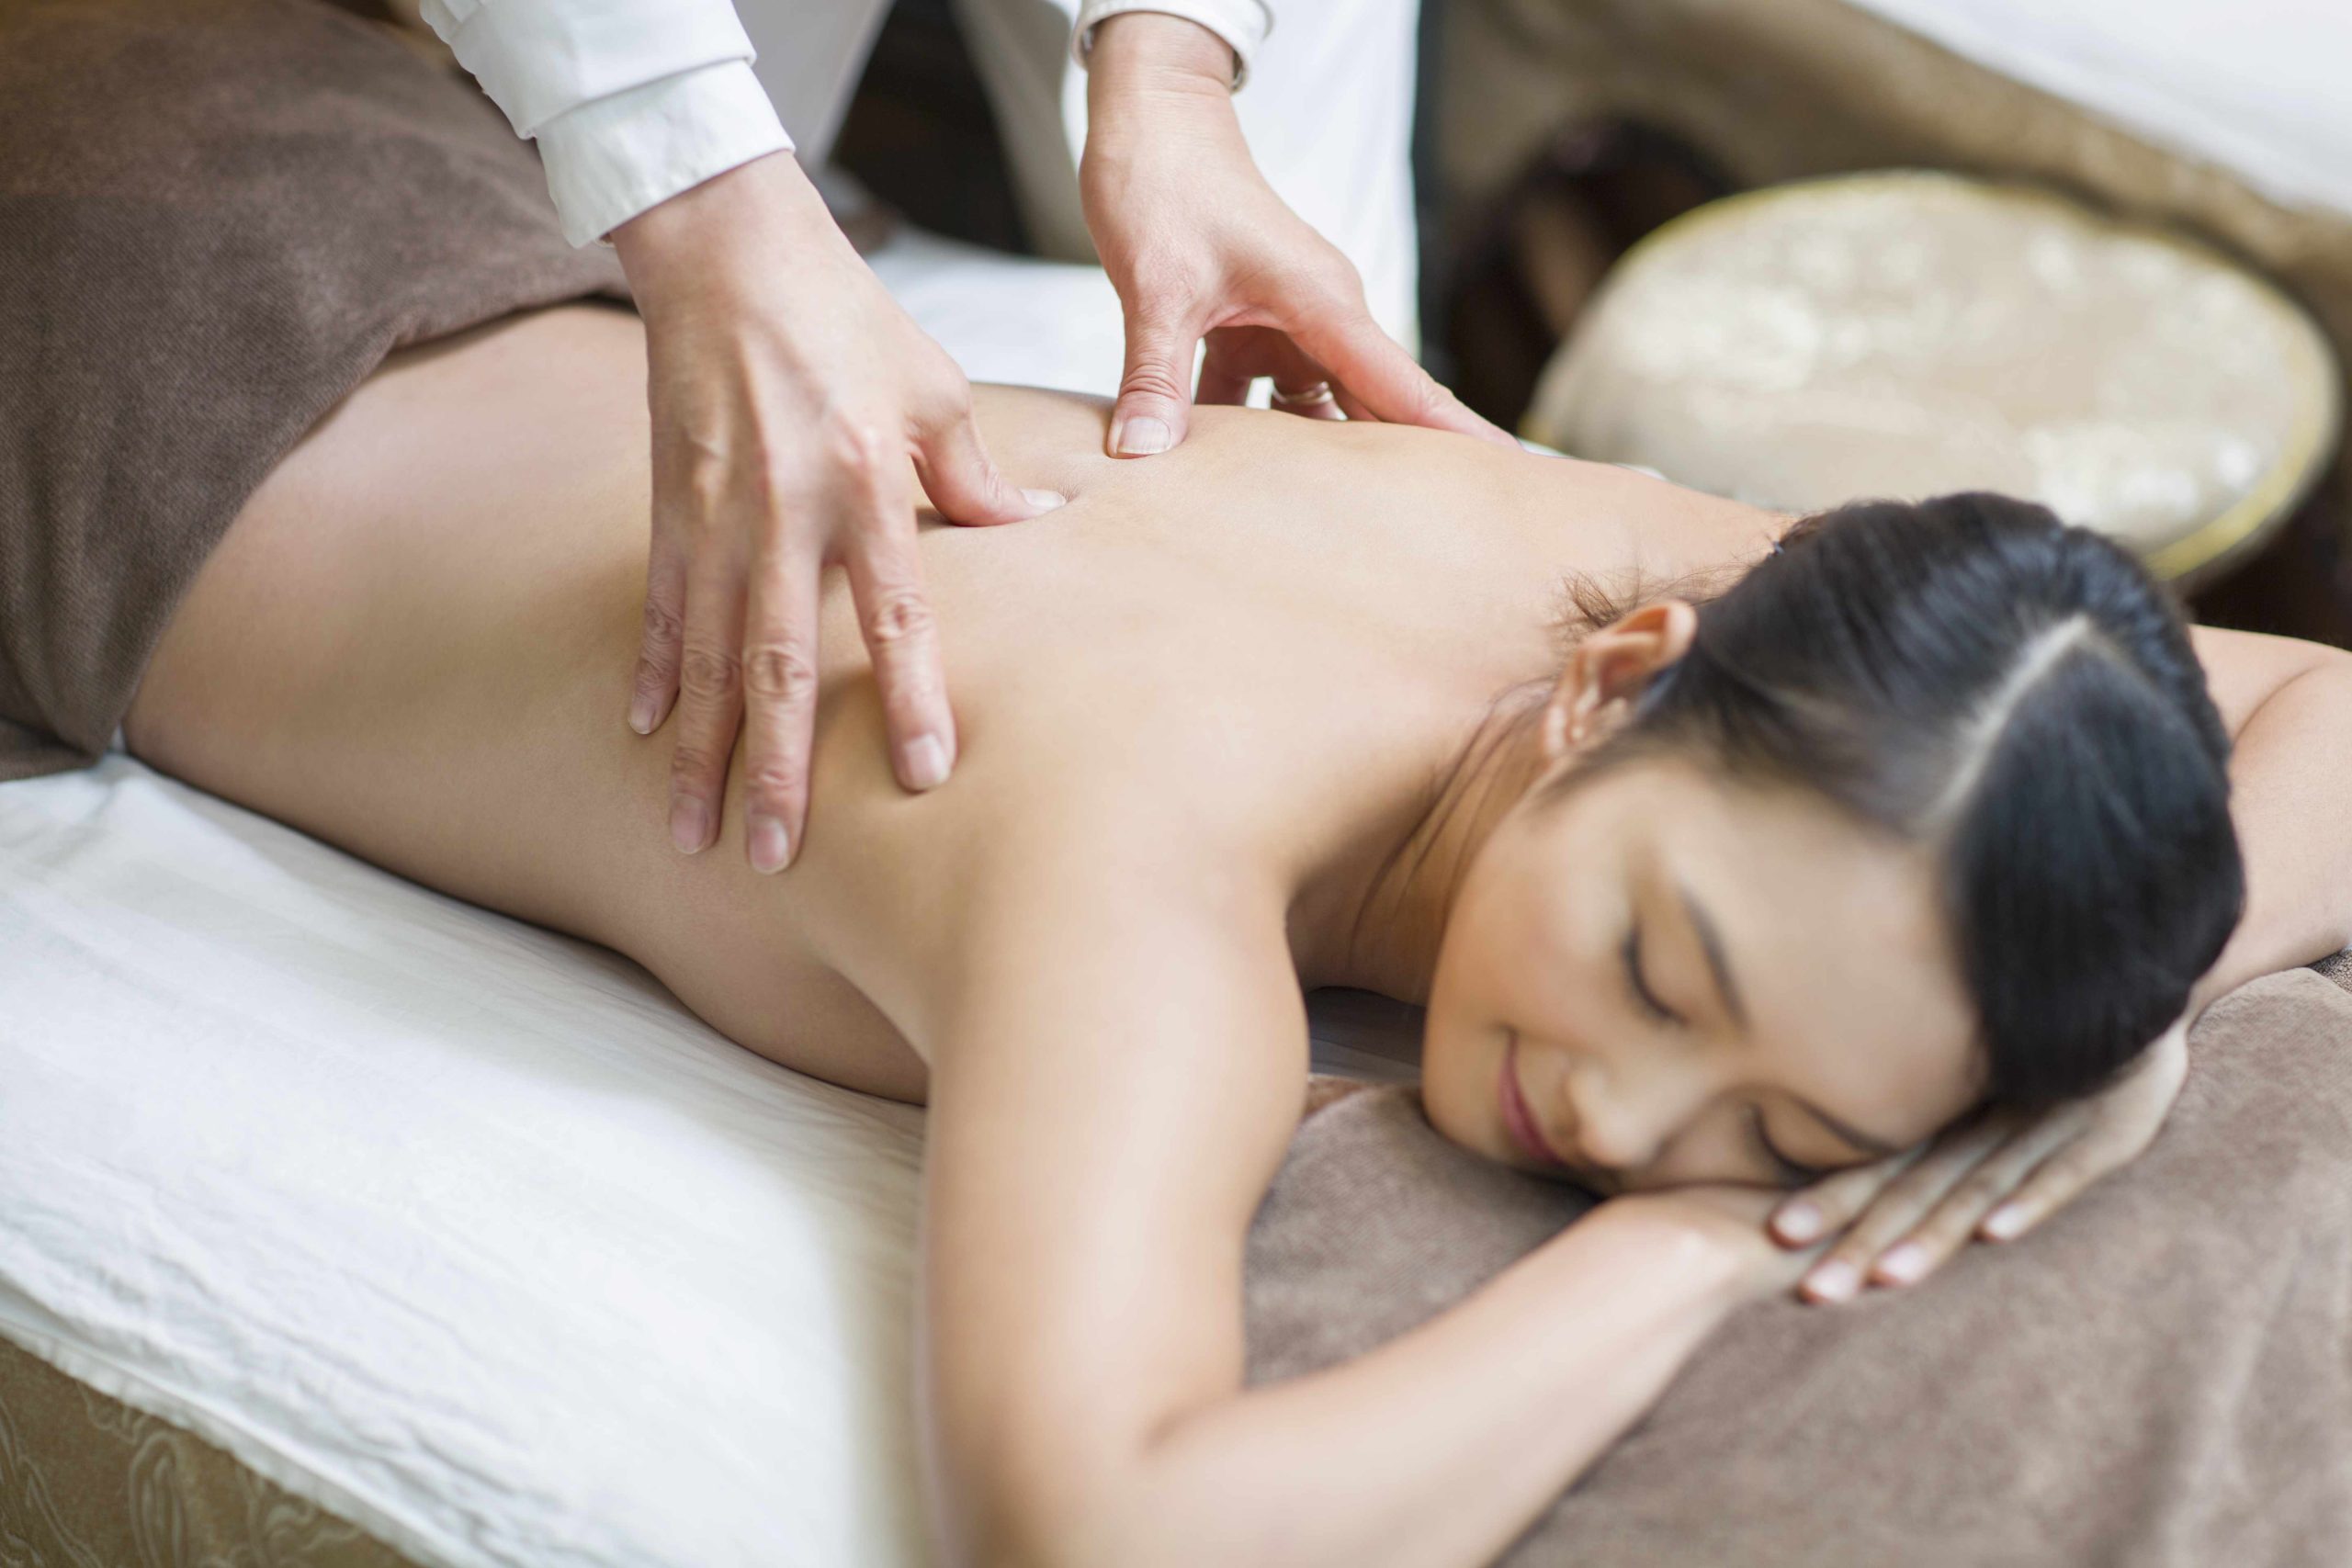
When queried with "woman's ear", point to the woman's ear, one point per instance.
{"points": [[1608, 668]]}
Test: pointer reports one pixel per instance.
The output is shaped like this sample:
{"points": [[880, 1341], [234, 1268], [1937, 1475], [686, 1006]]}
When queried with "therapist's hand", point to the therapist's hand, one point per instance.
{"points": [[1199, 245], [789, 391]]}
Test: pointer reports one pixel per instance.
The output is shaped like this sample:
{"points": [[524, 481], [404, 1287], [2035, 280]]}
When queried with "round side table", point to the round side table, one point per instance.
{"points": [[1910, 334]]}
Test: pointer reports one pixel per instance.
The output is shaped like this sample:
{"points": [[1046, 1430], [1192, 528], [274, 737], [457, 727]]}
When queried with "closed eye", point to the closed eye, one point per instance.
{"points": [[1638, 983], [1790, 1170]]}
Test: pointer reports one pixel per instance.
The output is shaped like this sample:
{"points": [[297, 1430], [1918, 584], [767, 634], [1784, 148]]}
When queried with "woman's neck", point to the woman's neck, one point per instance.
{"points": [[1376, 921]]}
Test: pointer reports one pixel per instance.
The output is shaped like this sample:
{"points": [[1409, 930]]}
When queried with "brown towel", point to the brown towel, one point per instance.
{"points": [[216, 218], [2161, 1375]]}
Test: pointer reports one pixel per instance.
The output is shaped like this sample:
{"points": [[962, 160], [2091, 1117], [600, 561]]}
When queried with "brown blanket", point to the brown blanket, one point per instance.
{"points": [[216, 218], [2161, 1375]]}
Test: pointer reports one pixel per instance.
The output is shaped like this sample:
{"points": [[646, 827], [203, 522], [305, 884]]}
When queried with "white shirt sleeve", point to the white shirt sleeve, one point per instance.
{"points": [[1242, 24], [631, 101]]}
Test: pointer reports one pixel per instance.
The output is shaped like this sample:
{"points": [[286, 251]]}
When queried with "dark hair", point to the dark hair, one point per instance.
{"points": [[1972, 673]]}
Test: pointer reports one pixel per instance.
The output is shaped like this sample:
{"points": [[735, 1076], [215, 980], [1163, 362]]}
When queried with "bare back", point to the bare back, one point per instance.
{"points": [[1227, 660]]}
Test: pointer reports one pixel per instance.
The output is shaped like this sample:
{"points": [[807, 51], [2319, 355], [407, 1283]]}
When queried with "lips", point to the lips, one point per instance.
{"points": [[1518, 1119]]}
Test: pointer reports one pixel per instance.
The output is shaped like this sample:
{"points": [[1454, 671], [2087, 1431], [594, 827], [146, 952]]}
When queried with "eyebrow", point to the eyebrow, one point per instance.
{"points": [[1711, 942]]}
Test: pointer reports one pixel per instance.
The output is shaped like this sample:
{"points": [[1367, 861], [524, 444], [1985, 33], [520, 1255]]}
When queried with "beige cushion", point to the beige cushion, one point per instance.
{"points": [[1910, 334]]}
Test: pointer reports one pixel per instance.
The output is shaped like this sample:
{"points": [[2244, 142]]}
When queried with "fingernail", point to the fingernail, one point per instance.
{"points": [[689, 824], [1903, 1264], [2005, 1223], [1045, 500], [1833, 1282], [927, 763], [1798, 1222], [641, 714], [1142, 436], [770, 844]]}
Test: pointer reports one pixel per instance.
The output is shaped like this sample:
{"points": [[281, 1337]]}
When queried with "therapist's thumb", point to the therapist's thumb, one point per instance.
{"points": [[1155, 391]]}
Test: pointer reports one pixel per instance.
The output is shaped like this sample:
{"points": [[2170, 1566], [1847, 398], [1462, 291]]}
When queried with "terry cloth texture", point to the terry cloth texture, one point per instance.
{"points": [[2160, 1376], [216, 218]]}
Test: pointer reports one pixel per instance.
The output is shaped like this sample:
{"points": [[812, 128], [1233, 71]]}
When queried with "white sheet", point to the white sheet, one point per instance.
{"points": [[464, 1230], [2257, 87]]}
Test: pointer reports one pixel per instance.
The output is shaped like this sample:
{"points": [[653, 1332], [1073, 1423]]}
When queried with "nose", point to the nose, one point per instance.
{"points": [[1624, 1118]]}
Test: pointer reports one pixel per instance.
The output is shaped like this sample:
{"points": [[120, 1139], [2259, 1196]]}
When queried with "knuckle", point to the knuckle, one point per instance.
{"points": [[1983, 1187], [854, 443], [710, 674], [773, 485], [702, 489], [947, 394], [780, 672], [1151, 378], [776, 782], [1909, 1196], [690, 766], [665, 629], [900, 616], [1160, 290], [1424, 399], [1334, 289], [654, 678], [1879, 1225]]}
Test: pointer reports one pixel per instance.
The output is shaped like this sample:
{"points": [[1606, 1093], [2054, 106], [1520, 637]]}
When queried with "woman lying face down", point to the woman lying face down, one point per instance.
{"points": [[1928, 812], [1924, 814]]}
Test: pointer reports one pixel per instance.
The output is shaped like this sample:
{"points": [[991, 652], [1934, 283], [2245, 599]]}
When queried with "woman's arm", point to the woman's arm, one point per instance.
{"points": [[2288, 706], [1116, 1083]]}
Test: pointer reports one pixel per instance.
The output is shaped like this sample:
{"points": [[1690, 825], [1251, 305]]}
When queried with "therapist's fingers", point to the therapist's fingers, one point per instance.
{"points": [[710, 693], [1226, 373], [779, 700], [1155, 387], [1380, 377], [902, 636], [1302, 387], [1238, 355], [1349, 404], [663, 642], [963, 481]]}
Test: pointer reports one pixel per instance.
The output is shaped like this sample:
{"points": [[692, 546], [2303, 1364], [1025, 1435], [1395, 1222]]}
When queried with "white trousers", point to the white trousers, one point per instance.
{"points": [[1328, 112]]}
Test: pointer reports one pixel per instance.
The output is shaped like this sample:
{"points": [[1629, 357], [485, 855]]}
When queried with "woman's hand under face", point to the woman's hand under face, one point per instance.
{"points": [[1994, 1176]]}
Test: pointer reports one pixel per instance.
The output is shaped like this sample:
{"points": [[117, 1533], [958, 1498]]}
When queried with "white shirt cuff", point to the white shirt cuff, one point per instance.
{"points": [[1242, 24], [612, 159], [538, 59]]}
